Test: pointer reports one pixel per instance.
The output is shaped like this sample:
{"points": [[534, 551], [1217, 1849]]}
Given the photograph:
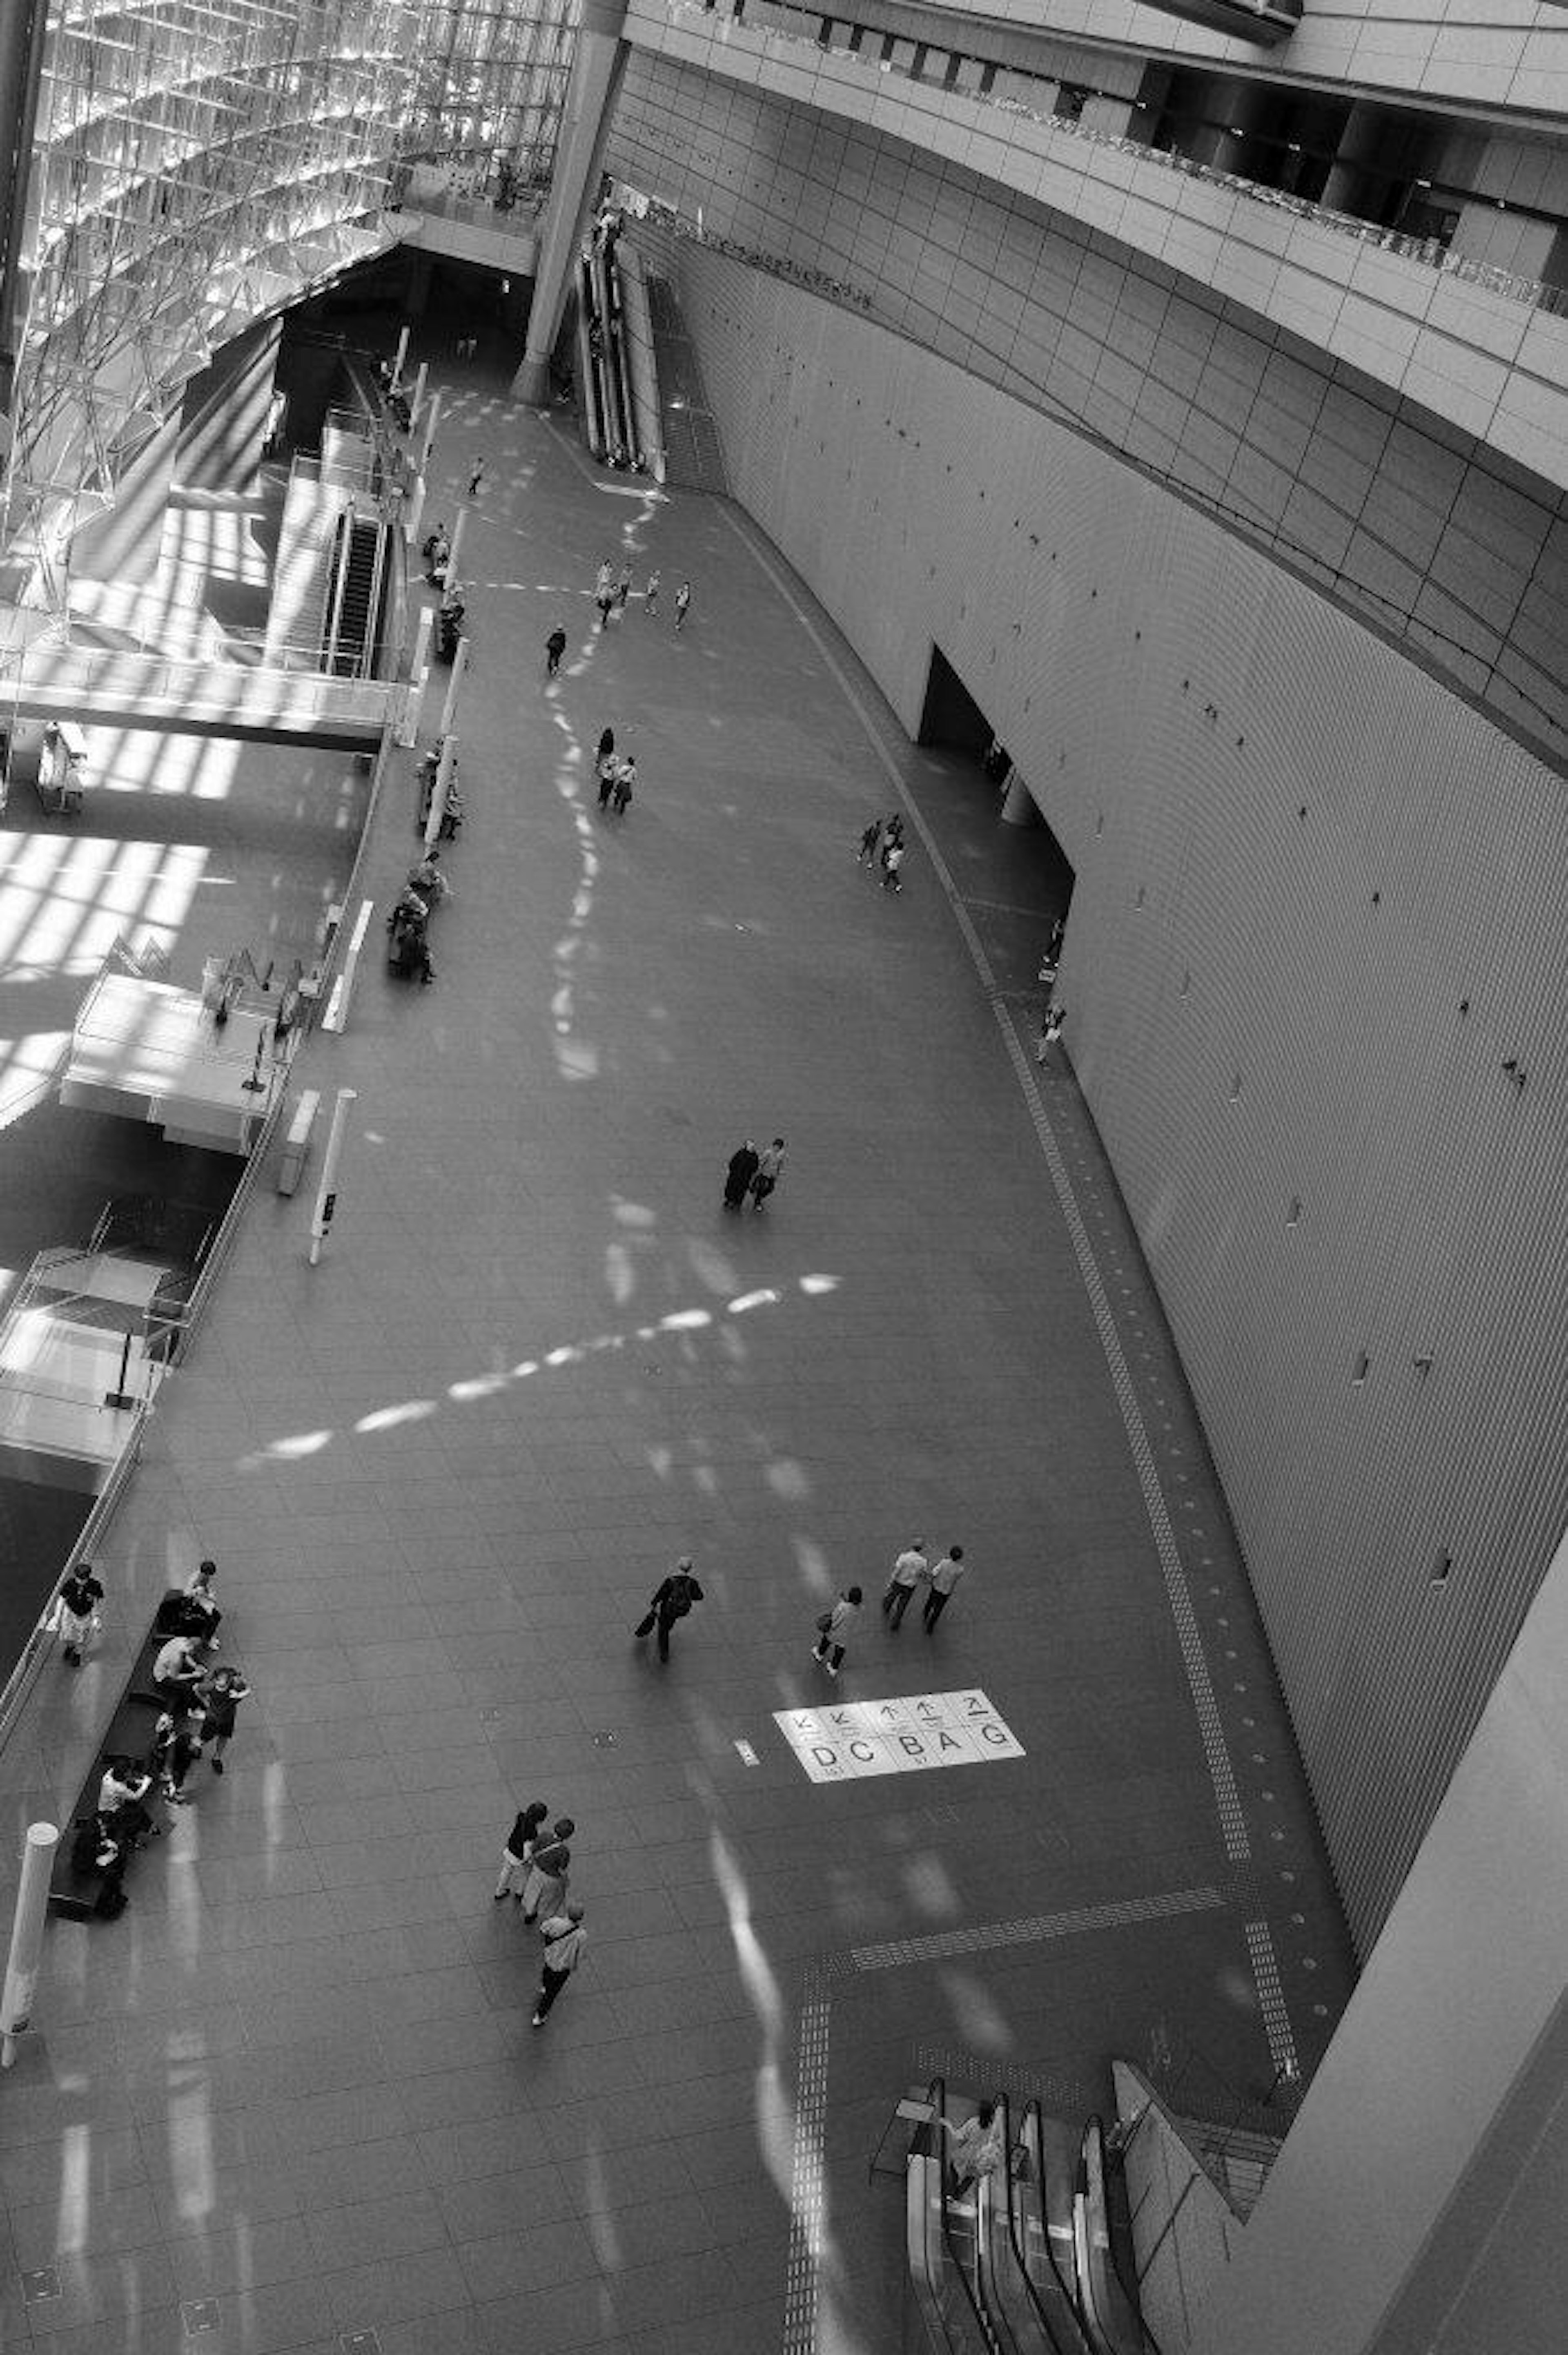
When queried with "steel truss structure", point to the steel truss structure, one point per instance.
{"points": [[198, 163], [490, 84]]}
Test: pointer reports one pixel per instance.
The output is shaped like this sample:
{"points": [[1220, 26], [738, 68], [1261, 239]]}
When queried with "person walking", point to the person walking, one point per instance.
{"points": [[476, 478], [225, 1689], [606, 602], [908, 1569], [606, 766], [548, 1865], [683, 603], [651, 595], [1050, 1029], [868, 842], [770, 1162], [563, 1938], [75, 1617], [519, 1849], [623, 586], [835, 1628], [624, 785], [742, 1171], [892, 860], [672, 1599], [554, 647], [944, 1579]]}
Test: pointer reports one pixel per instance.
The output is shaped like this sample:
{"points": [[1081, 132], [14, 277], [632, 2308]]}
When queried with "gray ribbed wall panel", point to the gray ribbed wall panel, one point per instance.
{"points": [[1148, 641]]}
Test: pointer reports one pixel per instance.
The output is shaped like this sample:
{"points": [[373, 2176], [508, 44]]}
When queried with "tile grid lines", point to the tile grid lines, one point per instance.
{"points": [[1216, 1752], [1032, 1928]]}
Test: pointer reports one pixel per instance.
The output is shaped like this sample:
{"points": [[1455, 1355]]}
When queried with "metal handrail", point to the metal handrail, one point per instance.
{"points": [[936, 2098], [1052, 2332], [338, 575], [1538, 292]]}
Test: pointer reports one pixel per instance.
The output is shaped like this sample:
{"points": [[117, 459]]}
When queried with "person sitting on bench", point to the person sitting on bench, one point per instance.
{"points": [[201, 1613], [179, 1668], [104, 1847]]}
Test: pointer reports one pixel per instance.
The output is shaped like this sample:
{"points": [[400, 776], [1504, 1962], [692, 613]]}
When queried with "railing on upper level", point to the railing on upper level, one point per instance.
{"points": [[1427, 250]]}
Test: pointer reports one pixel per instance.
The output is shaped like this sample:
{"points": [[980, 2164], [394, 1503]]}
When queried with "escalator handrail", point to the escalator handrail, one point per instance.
{"points": [[1067, 2288], [1095, 2137], [1050, 2334], [937, 2096]]}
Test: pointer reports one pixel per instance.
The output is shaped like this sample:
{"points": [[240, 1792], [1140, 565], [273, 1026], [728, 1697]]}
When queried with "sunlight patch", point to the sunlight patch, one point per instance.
{"points": [[388, 1418]]}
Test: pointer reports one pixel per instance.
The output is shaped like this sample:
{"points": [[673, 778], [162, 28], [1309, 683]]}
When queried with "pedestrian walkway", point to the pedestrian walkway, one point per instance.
{"points": [[293, 2096]]}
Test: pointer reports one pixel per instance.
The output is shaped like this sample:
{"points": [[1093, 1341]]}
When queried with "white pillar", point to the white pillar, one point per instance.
{"points": [[430, 431], [441, 789], [449, 709], [26, 1936], [456, 547], [418, 669], [597, 61], [326, 1198], [402, 355], [418, 396], [414, 514]]}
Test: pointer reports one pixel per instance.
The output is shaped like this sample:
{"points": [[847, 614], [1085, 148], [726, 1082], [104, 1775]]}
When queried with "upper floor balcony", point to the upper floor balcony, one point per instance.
{"points": [[1483, 350]]}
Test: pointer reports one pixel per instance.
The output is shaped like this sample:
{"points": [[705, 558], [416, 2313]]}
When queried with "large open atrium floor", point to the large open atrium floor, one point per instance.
{"points": [[293, 2096]]}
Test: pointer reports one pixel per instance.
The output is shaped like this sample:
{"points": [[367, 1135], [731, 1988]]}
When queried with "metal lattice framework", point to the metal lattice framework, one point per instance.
{"points": [[491, 82], [199, 162]]}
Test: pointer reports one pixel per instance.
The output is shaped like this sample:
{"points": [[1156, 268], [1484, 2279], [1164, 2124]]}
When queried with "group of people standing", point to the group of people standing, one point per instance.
{"points": [[753, 1173], [612, 593], [882, 844], [912, 1569], [617, 775], [535, 1868]]}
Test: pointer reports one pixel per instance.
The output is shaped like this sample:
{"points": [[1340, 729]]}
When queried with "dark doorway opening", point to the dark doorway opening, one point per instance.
{"points": [[952, 719]]}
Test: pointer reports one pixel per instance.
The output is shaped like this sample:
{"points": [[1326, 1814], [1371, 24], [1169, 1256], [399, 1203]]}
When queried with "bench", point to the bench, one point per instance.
{"points": [[297, 1142], [73, 1892]]}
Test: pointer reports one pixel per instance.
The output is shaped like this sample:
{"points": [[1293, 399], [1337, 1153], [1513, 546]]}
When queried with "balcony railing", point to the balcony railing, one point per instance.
{"points": [[1429, 251]]}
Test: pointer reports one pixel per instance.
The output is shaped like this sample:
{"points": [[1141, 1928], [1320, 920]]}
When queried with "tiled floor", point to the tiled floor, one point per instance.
{"points": [[442, 1471]]}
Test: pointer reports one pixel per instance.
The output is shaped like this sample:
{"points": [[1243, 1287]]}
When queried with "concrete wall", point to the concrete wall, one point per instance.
{"points": [[1317, 911], [1417, 2206], [1457, 547]]}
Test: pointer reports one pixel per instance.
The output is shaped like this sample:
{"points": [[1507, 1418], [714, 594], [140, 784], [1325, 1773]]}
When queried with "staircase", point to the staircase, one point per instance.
{"points": [[693, 457]]}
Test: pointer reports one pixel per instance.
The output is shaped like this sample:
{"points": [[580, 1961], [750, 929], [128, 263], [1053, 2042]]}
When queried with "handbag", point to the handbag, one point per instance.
{"points": [[824, 1621]]}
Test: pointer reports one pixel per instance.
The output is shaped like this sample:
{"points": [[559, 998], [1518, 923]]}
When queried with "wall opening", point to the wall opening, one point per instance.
{"points": [[952, 721]]}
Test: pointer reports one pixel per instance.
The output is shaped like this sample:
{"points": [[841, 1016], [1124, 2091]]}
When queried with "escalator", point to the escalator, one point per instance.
{"points": [[942, 2246], [355, 640], [1028, 2300], [1020, 2261]]}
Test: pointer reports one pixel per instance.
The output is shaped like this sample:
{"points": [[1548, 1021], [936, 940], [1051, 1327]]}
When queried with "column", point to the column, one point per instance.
{"points": [[1018, 806], [1416, 2203], [597, 66]]}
